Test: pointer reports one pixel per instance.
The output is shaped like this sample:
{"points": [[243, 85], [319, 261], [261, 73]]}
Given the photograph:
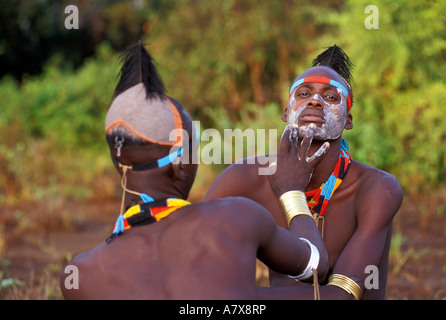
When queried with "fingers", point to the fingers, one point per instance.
{"points": [[319, 153], [306, 141], [294, 136], [289, 143], [285, 140], [289, 138]]}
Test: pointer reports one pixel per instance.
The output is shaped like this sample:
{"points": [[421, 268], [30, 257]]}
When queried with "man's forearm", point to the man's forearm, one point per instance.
{"points": [[302, 292]]}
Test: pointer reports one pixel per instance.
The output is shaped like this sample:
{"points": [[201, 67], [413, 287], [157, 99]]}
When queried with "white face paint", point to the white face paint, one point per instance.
{"points": [[335, 115]]}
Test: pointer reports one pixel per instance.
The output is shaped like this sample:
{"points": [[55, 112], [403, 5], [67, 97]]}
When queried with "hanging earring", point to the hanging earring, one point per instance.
{"points": [[118, 145]]}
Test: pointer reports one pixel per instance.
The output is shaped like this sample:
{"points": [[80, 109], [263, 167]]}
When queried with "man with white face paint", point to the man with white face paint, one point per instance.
{"points": [[162, 246], [330, 106], [352, 204]]}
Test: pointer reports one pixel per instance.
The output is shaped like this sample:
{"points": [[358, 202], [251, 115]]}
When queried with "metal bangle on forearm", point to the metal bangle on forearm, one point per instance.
{"points": [[294, 203], [313, 262], [347, 284]]}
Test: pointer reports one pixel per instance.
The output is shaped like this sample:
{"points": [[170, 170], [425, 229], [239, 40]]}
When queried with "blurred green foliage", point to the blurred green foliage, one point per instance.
{"points": [[399, 88], [230, 63], [53, 128]]}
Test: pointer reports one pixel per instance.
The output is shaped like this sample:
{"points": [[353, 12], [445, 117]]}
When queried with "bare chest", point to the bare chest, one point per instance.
{"points": [[337, 225]]}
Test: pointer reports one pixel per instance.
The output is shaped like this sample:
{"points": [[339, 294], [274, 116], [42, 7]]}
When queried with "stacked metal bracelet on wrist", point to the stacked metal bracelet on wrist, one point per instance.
{"points": [[347, 284], [294, 203]]}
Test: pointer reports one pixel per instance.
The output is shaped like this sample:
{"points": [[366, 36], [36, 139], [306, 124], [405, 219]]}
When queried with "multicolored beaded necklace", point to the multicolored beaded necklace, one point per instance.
{"points": [[150, 210], [146, 213], [318, 199]]}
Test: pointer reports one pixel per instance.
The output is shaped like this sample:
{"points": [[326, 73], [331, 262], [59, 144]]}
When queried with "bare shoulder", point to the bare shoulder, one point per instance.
{"points": [[251, 168], [86, 258], [378, 191], [79, 265], [236, 213], [231, 207], [376, 180], [240, 178]]}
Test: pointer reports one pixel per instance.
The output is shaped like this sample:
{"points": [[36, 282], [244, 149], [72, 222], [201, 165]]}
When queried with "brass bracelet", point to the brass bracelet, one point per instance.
{"points": [[346, 284], [294, 203]]}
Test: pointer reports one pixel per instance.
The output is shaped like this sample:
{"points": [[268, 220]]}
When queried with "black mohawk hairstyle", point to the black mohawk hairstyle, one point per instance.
{"points": [[335, 58], [139, 67]]}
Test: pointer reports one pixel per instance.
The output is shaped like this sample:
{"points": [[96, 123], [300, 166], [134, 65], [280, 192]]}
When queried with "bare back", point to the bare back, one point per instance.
{"points": [[202, 251]]}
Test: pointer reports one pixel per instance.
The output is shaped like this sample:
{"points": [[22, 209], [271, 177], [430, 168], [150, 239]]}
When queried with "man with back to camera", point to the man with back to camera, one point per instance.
{"points": [[353, 204], [162, 246]]}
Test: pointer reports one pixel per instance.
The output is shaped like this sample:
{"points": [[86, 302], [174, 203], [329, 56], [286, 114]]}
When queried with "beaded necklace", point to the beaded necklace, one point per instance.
{"points": [[318, 199], [146, 213]]}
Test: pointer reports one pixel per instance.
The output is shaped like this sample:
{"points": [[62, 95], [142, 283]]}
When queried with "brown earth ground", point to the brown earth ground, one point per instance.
{"points": [[36, 242]]}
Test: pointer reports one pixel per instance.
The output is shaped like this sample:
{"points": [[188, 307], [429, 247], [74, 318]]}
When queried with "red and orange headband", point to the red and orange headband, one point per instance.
{"points": [[326, 81]]}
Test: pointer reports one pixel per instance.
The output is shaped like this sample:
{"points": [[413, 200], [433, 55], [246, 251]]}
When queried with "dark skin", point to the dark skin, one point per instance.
{"points": [[206, 250], [358, 220]]}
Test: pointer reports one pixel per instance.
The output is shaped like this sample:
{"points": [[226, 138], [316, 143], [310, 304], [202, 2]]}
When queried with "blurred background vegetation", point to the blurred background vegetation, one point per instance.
{"points": [[230, 63]]}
